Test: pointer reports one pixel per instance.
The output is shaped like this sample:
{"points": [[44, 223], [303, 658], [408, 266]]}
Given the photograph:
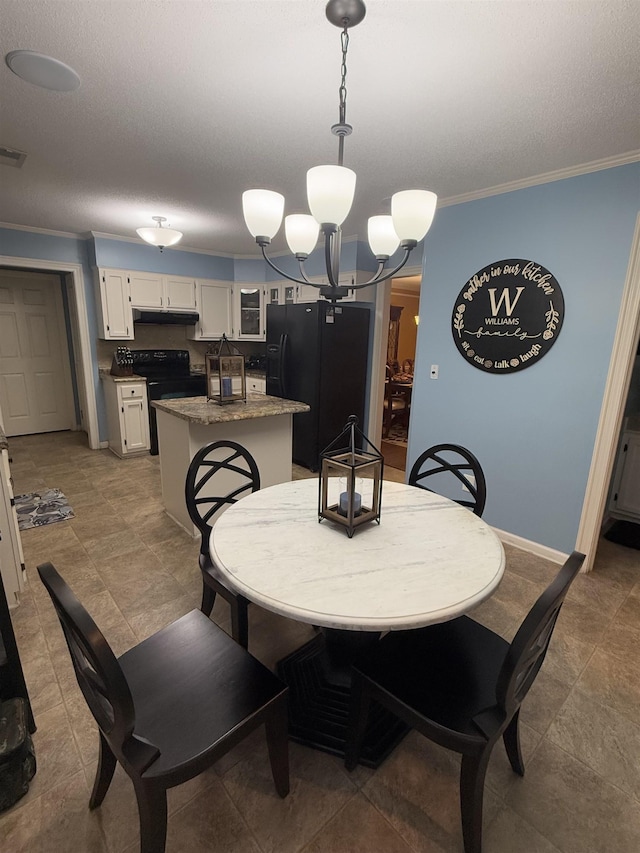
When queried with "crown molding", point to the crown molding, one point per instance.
{"points": [[68, 234], [545, 178], [138, 242]]}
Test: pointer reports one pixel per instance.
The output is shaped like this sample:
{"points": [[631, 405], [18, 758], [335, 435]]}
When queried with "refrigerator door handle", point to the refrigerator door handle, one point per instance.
{"points": [[284, 345]]}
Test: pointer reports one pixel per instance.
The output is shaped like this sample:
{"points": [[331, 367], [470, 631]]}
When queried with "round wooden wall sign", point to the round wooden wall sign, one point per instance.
{"points": [[508, 316]]}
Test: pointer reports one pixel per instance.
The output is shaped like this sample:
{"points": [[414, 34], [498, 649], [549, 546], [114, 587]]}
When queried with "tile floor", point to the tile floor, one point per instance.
{"points": [[135, 571]]}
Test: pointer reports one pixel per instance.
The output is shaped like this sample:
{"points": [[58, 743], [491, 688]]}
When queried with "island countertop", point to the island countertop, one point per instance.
{"points": [[199, 410]]}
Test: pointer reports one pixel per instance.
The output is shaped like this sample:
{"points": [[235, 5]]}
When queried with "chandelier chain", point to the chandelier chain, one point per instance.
{"points": [[343, 71]]}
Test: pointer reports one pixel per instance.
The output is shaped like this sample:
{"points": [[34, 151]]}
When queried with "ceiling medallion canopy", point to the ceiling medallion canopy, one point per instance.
{"points": [[160, 236], [330, 192]]}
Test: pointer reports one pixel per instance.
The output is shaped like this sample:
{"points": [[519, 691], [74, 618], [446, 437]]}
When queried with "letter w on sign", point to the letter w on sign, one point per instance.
{"points": [[506, 298]]}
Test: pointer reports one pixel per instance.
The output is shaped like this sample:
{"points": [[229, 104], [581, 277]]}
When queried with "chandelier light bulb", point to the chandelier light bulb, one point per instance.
{"points": [[383, 239], [263, 211], [301, 231], [412, 212], [330, 191]]}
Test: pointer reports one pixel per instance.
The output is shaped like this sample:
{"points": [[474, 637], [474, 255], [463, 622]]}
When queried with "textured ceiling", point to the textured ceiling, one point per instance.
{"points": [[183, 105]]}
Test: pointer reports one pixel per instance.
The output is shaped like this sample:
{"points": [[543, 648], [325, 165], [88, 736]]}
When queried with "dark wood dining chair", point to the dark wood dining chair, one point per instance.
{"points": [[396, 407], [447, 467], [171, 706], [460, 685], [219, 475]]}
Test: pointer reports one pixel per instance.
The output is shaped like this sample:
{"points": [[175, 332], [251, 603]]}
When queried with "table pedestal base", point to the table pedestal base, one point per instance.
{"points": [[319, 681]]}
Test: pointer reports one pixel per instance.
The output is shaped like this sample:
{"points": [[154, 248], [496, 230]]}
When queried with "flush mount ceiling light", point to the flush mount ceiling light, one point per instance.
{"points": [[41, 70], [330, 191], [160, 236]]}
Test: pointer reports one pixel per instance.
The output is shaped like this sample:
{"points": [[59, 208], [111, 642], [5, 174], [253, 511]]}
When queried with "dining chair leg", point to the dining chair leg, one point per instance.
{"points": [[276, 729], [358, 717], [240, 621], [511, 740], [208, 599], [472, 774], [152, 810], [104, 774]]}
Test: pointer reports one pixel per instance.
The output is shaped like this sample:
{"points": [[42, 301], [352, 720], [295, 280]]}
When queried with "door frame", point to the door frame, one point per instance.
{"points": [[379, 351], [74, 284], [625, 345]]}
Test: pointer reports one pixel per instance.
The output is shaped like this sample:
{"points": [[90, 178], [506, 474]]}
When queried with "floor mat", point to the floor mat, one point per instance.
{"points": [[395, 454], [625, 533], [39, 508]]}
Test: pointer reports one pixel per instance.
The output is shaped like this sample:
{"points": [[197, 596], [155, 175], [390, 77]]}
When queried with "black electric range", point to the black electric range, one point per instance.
{"points": [[169, 376]]}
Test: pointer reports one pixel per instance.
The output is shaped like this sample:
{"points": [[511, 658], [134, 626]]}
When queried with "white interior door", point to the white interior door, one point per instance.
{"points": [[35, 377]]}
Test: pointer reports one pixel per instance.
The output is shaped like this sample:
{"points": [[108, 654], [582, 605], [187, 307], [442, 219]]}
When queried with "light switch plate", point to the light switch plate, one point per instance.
{"points": [[433, 373]]}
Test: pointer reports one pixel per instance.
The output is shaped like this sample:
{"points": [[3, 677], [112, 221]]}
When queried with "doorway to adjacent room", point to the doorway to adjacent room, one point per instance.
{"points": [[403, 322]]}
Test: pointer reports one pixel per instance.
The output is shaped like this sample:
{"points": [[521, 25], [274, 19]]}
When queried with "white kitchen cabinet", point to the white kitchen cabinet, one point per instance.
{"points": [[625, 495], [256, 384], [160, 292], [127, 416], [281, 293], [180, 293], [145, 290], [214, 305], [113, 300], [249, 320]]}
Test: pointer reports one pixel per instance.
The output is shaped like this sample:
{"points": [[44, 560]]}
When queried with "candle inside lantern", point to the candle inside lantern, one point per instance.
{"points": [[226, 386], [344, 502]]}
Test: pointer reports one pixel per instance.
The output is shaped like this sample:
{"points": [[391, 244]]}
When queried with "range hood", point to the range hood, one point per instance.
{"points": [[165, 318]]}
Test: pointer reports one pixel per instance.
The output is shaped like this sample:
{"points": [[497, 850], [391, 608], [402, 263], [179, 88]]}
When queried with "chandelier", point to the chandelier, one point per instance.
{"points": [[160, 236], [330, 191]]}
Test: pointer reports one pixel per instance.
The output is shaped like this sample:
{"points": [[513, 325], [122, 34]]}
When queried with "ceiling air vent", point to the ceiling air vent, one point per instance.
{"points": [[11, 157]]}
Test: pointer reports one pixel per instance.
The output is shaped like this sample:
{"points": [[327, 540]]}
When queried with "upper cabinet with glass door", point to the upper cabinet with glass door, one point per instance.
{"points": [[249, 312], [281, 293]]}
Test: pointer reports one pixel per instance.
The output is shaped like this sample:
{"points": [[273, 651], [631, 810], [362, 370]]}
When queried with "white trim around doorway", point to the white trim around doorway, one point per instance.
{"points": [[612, 411], [79, 304]]}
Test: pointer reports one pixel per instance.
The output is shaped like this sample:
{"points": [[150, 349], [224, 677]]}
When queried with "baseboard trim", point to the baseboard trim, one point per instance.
{"points": [[104, 445], [532, 547]]}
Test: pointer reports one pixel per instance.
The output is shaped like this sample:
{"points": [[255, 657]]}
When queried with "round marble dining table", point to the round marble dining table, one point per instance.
{"points": [[429, 560]]}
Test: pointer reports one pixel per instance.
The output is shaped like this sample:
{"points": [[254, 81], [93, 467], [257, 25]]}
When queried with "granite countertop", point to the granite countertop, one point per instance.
{"points": [[4, 444], [105, 373], [200, 411]]}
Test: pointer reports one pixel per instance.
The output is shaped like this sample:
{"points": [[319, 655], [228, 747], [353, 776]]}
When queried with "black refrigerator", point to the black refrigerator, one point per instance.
{"points": [[318, 353]]}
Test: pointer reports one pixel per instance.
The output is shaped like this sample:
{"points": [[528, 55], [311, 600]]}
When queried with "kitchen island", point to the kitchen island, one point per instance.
{"points": [[263, 425]]}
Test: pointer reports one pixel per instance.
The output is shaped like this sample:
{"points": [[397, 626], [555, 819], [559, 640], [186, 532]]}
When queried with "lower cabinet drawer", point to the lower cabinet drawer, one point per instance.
{"points": [[131, 391]]}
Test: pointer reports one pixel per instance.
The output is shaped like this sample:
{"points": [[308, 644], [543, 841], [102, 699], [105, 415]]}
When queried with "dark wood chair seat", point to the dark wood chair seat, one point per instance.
{"points": [[206, 684], [171, 706], [461, 685]]}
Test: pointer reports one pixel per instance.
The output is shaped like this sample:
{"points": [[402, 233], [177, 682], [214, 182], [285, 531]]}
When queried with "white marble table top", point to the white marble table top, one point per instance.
{"points": [[428, 561]]}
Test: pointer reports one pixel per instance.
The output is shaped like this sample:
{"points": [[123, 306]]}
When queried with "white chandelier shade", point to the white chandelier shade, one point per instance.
{"points": [[160, 236], [263, 211], [301, 231], [383, 239], [412, 212], [330, 191]]}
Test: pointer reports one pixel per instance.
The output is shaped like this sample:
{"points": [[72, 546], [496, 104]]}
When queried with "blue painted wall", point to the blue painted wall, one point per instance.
{"points": [[122, 255], [533, 431]]}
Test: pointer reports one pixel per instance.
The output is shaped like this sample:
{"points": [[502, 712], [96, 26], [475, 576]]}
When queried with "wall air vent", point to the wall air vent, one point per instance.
{"points": [[11, 157]]}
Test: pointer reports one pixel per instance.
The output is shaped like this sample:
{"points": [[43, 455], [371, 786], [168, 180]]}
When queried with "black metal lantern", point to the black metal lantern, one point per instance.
{"points": [[350, 479], [225, 373]]}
